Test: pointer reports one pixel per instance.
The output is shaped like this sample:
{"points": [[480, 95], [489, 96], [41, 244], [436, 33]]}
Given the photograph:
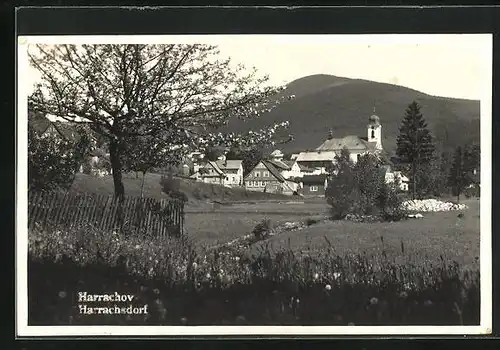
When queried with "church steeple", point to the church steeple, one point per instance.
{"points": [[375, 130]]}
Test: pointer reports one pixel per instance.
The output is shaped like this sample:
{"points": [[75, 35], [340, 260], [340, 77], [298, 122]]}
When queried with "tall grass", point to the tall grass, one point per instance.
{"points": [[182, 285]]}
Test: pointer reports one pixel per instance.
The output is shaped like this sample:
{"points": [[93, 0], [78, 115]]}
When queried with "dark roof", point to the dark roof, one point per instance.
{"points": [[233, 164], [66, 130], [41, 124], [351, 142], [279, 164], [272, 169], [215, 166], [38, 122], [314, 179]]}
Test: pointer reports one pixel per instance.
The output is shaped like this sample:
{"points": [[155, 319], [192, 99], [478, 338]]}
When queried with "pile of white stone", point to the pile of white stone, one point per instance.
{"points": [[431, 205]]}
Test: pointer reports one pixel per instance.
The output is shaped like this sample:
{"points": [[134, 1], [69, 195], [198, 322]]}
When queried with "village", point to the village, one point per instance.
{"points": [[304, 174]]}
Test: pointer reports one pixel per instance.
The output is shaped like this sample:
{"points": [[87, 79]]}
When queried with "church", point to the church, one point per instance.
{"points": [[325, 154]]}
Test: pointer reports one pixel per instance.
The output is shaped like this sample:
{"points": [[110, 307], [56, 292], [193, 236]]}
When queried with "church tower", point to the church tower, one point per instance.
{"points": [[375, 131]]}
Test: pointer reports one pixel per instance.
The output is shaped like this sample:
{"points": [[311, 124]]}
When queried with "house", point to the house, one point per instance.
{"points": [[324, 155], [403, 180], [392, 176], [289, 169], [97, 163], [233, 170], [313, 185], [266, 177], [43, 125], [221, 172], [319, 160]]}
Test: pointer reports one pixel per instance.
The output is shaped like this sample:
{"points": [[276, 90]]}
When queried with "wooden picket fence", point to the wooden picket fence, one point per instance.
{"points": [[135, 215]]}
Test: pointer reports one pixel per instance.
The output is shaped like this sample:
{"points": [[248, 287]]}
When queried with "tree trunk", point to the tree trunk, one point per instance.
{"points": [[142, 184], [116, 166]]}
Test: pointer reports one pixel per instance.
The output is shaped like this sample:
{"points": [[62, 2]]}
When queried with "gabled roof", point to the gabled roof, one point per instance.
{"points": [[66, 130], [272, 170], [41, 124], [216, 167], [314, 179], [351, 142], [279, 164], [229, 164], [38, 122], [313, 156]]}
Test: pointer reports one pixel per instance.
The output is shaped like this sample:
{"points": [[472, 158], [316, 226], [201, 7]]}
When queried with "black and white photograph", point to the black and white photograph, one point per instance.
{"points": [[254, 184]]}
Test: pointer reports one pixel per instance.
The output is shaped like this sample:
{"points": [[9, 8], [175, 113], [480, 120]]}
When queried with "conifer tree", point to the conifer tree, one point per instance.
{"points": [[415, 146]]}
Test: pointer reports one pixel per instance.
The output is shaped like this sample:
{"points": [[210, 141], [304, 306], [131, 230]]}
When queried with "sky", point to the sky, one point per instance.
{"points": [[440, 65]]}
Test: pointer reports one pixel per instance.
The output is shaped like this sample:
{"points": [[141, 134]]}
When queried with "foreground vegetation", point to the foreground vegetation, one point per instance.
{"points": [[184, 285]]}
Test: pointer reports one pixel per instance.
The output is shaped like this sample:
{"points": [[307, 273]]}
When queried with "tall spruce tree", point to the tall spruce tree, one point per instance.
{"points": [[415, 146]]}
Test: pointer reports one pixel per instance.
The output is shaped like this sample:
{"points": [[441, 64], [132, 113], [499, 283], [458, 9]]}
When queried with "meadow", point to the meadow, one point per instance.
{"points": [[436, 236], [415, 271]]}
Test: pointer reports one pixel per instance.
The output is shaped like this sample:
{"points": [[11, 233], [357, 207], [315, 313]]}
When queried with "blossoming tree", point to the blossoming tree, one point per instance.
{"points": [[170, 93]]}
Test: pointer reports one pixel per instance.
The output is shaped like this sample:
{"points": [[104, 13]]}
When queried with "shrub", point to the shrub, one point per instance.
{"points": [[360, 189], [53, 161], [311, 221], [389, 201], [262, 229]]}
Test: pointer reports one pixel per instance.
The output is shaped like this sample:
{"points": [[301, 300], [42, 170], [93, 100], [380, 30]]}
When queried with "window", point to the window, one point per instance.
{"points": [[262, 184], [314, 188], [265, 173], [373, 132], [256, 174]]}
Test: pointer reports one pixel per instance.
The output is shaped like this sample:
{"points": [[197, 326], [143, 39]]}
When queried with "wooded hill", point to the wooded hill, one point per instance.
{"points": [[324, 102]]}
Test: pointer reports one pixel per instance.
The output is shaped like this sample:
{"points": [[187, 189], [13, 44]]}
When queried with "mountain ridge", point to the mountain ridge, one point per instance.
{"points": [[343, 105]]}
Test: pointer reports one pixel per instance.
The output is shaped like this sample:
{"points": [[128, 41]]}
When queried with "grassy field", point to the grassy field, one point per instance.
{"points": [[198, 193], [441, 234], [233, 221]]}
